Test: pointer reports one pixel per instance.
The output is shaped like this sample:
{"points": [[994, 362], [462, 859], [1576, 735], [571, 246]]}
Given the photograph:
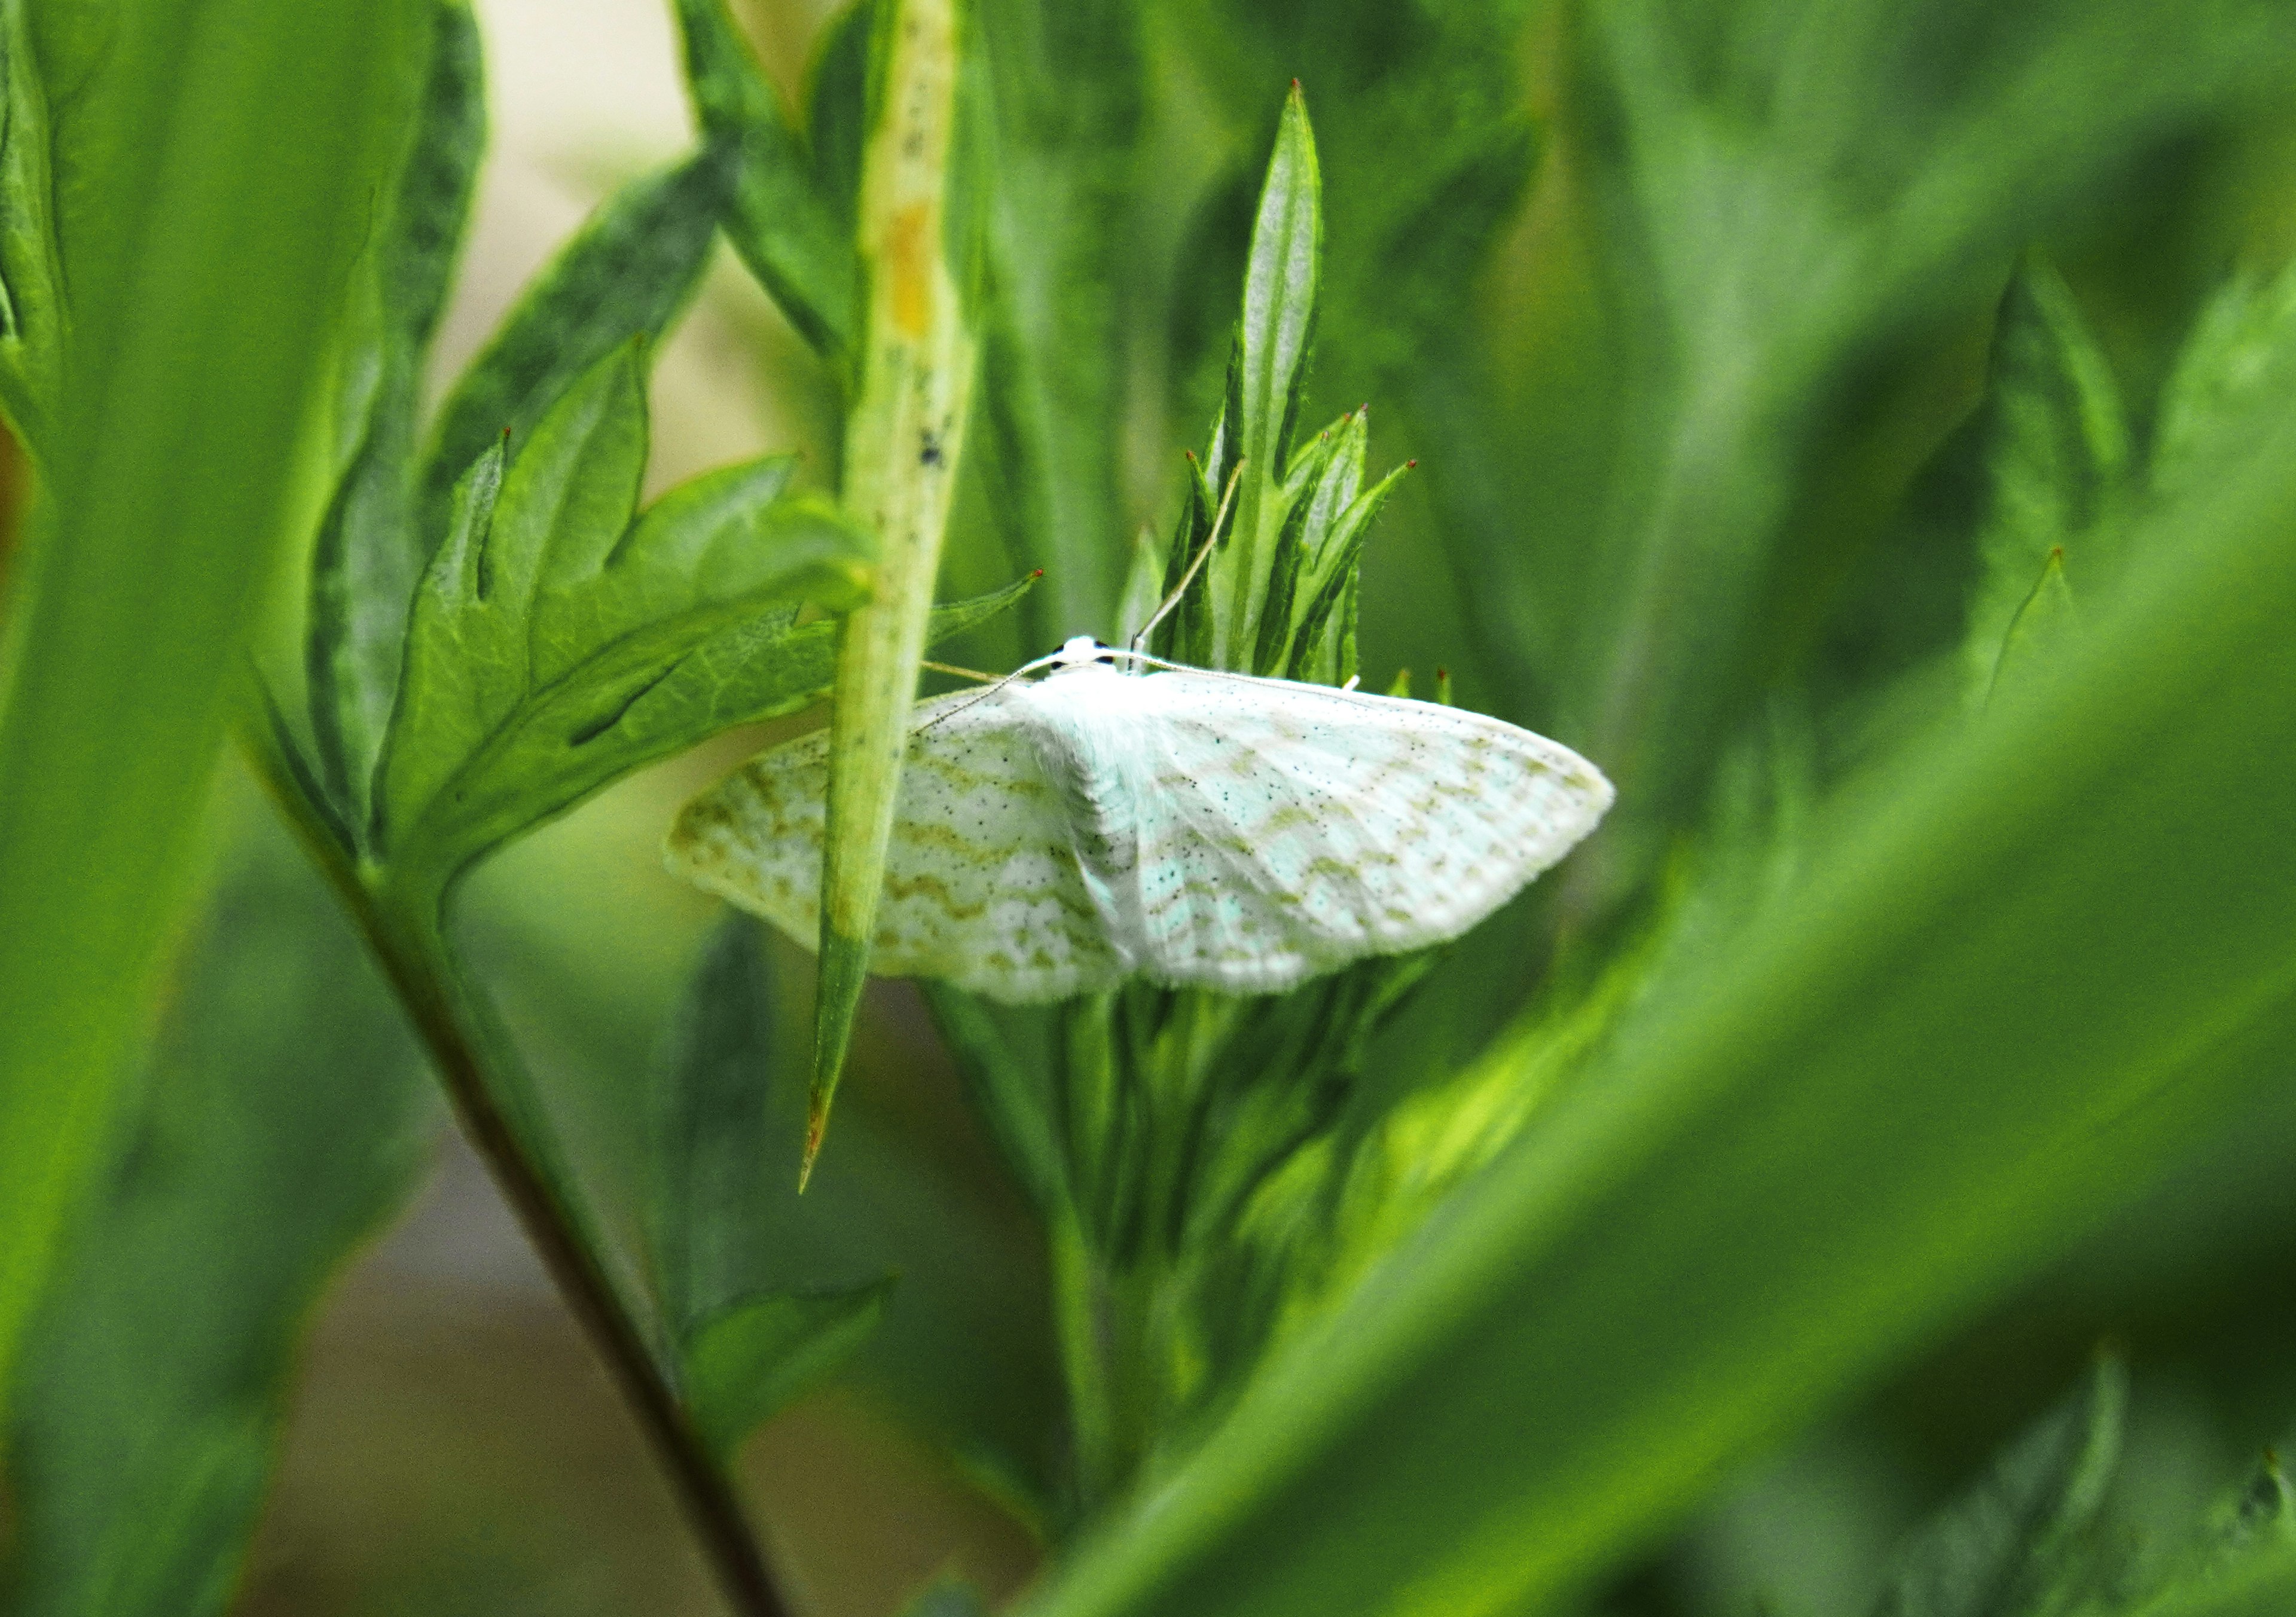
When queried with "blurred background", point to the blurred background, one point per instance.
{"points": [[451, 1447]]}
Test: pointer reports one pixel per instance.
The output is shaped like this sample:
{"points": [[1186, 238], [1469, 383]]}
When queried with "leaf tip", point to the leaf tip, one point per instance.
{"points": [[816, 1124]]}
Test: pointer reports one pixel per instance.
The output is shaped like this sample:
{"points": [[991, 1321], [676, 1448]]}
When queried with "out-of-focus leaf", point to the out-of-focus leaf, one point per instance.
{"points": [[2055, 452], [2016, 972], [240, 146], [558, 644], [371, 549], [284, 1117], [776, 214], [2008, 1545], [1064, 110], [837, 108], [2037, 633], [2263, 1586], [712, 1197], [2244, 1561], [754, 1304], [33, 313], [1785, 189], [628, 274], [757, 1357], [2241, 352]]}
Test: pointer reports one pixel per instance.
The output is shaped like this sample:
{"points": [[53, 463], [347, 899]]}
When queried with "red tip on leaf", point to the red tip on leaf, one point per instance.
{"points": [[1191, 454], [1408, 464], [1295, 84], [1441, 672], [2056, 553], [1038, 574]]}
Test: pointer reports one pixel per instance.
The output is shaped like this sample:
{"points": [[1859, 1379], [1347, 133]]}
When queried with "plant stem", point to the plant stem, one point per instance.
{"points": [[451, 1021]]}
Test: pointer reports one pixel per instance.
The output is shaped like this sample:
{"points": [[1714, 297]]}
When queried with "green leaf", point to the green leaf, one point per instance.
{"points": [[778, 216], [33, 312], [626, 274], [2007, 1546], [371, 548], [1267, 381], [2012, 975], [2242, 353], [903, 443], [1065, 105], [284, 1116], [838, 110], [557, 643], [243, 139], [2036, 635], [1425, 150], [707, 1135], [1784, 198], [2055, 453], [761, 1354]]}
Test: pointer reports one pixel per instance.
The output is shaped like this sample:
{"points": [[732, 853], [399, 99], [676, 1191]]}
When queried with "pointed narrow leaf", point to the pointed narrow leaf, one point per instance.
{"points": [[1325, 649], [2037, 633], [628, 274], [776, 216], [1998, 1549], [1269, 376], [371, 548], [903, 443], [837, 109], [445, 695], [709, 1192], [2055, 453], [2242, 353], [567, 499]]}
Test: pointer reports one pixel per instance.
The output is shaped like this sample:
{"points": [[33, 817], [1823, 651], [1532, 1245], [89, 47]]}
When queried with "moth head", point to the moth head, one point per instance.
{"points": [[1080, 652]]}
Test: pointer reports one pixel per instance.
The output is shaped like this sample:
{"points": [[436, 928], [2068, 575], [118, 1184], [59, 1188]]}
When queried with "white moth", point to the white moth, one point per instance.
{"points": [[1202, 829]]}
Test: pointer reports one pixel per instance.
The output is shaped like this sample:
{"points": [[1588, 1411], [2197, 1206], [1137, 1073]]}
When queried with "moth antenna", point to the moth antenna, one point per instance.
{"points": [[1227, 498], [973, 674], [995, 685]]}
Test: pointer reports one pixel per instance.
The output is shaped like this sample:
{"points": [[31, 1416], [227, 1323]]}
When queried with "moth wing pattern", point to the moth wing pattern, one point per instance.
{"points": [[982, 887], [1289, 829]]}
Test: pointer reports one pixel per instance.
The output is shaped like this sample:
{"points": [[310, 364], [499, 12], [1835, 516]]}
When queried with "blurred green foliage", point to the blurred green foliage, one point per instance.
{"points": [[1866, 429]]}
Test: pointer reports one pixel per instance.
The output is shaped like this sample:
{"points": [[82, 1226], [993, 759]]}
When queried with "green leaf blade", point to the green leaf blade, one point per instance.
{"points": [[284, 1118], [628, 274], [567, 497], [371, 548], [2003, 1547], [2057, 457], [776, 216], [240, 144], [1268, 383]]}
